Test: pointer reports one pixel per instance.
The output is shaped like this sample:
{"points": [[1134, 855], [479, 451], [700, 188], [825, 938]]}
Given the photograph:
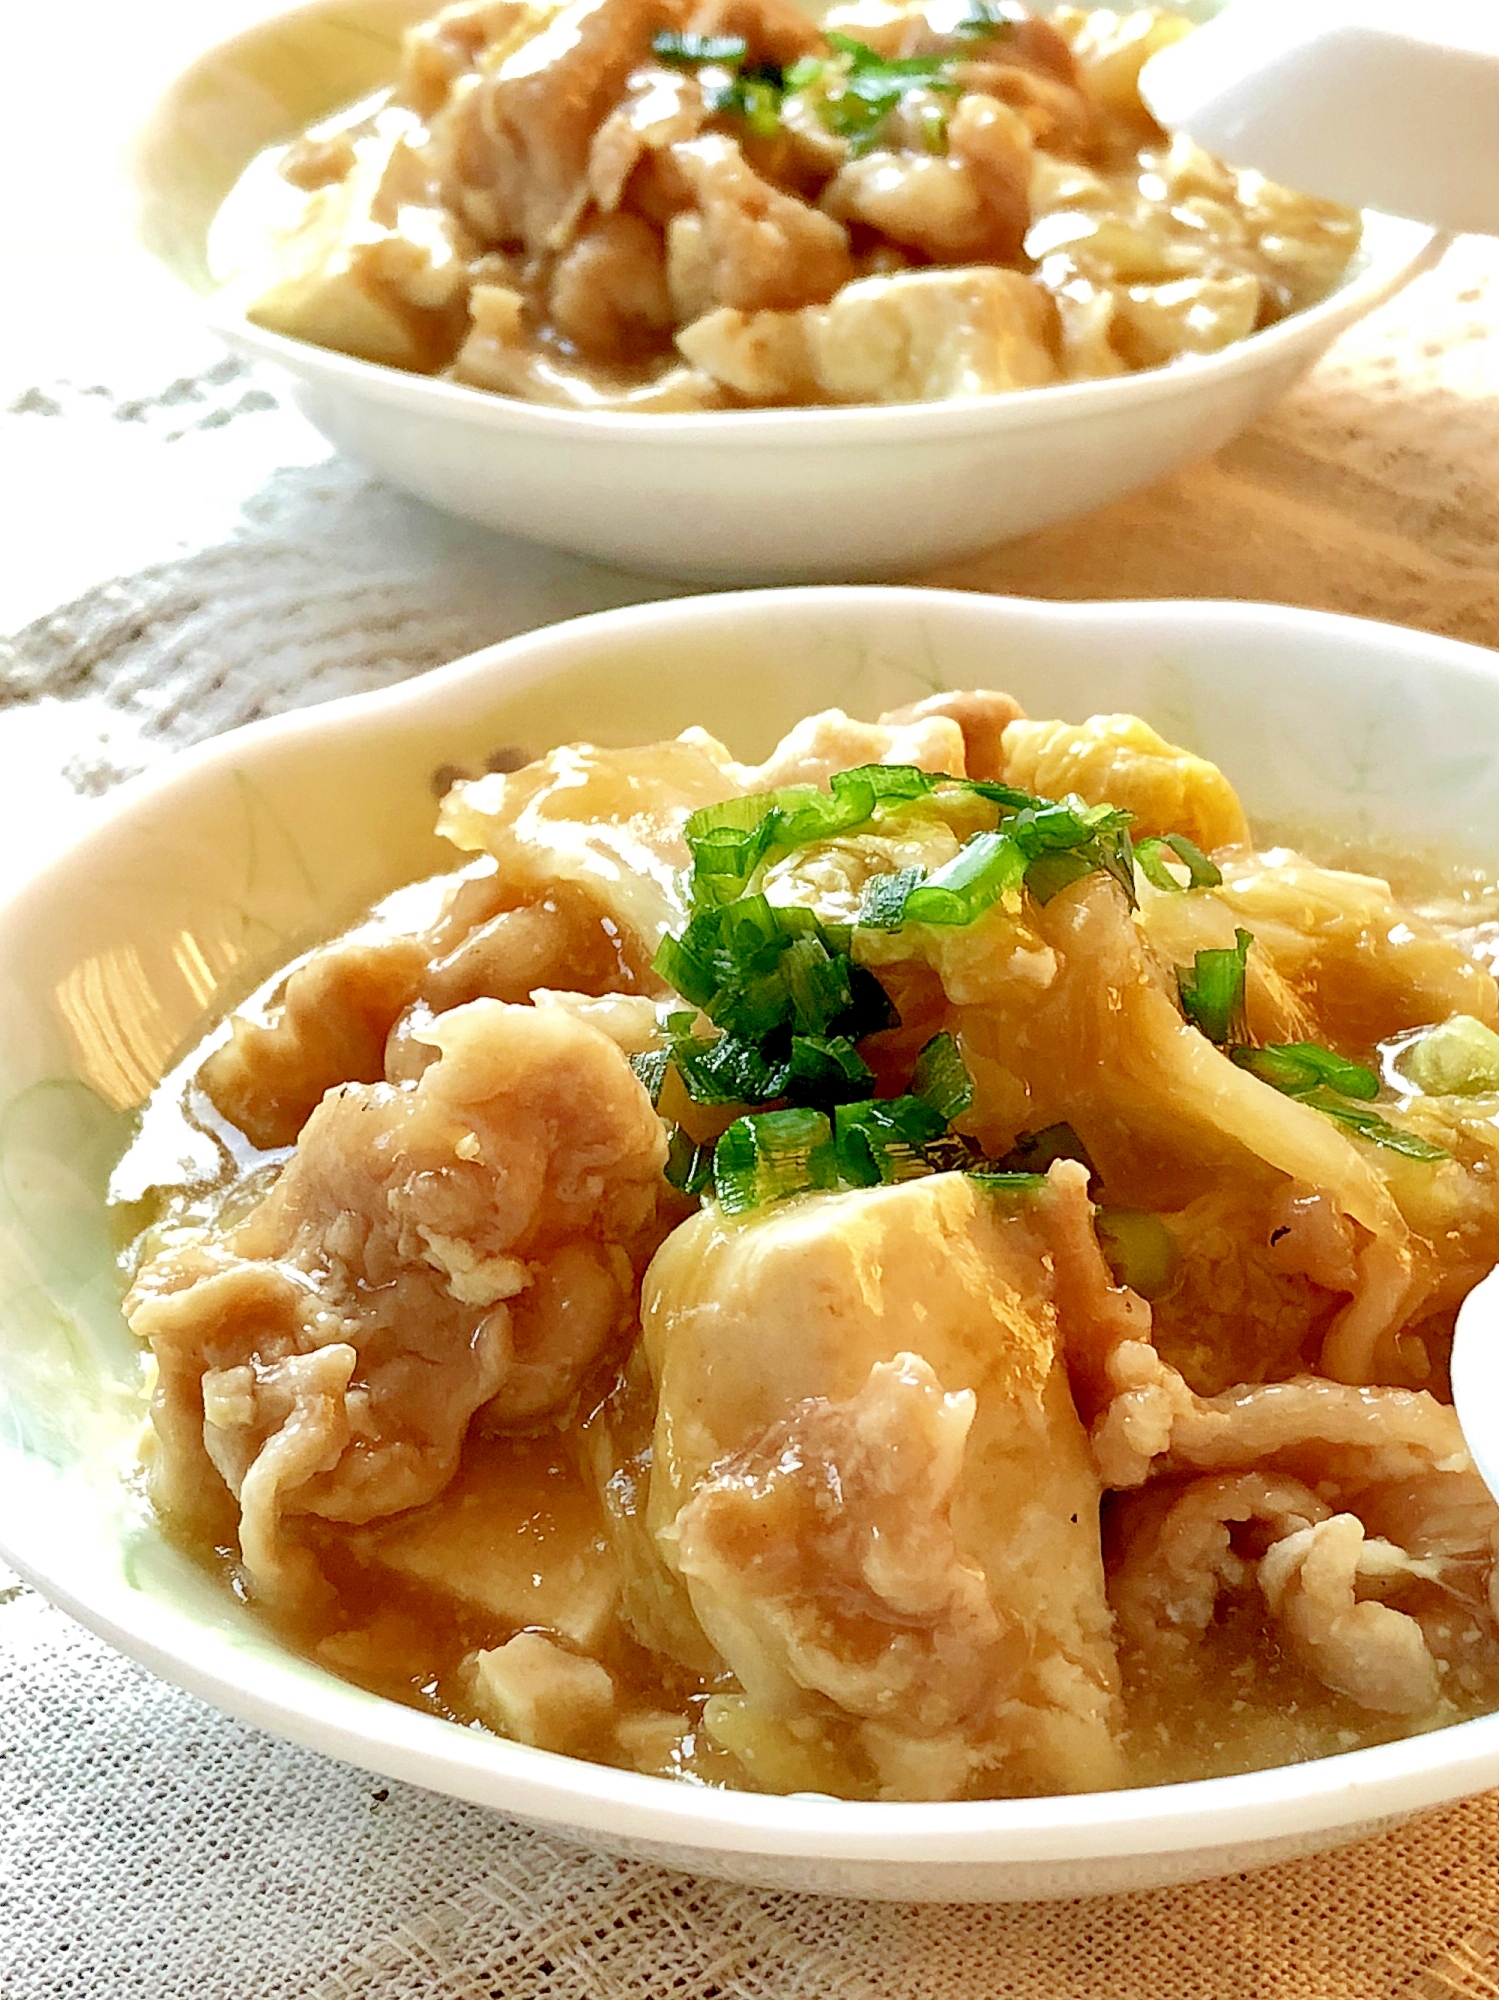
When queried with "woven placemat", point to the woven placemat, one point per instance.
{"points": [[201, 560]]}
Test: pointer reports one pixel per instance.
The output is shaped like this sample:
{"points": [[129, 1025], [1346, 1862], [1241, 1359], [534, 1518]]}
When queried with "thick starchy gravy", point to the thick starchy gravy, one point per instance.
{"points": [[920, 1269], [673, 205]]}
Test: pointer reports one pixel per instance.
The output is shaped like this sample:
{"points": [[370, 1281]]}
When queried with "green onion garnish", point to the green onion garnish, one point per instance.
{"points": [[1059, 840], [727, 1071], [1006, 1183], [881, 1141], [1334, 1086], [1063, 840], [791, 1005], [1046, 845], [857, 89], [1212, 991], [753, 96], [984, 870], [751, 92], [1369, 1125], [777, 1154], [730, 841], [1138, 1249], [1151, 854], [1299, 1067], [830, 1142], [756, 968], [883, 904], [826, 1069], [651, 1068], [689, 1166], [941, 1080]]}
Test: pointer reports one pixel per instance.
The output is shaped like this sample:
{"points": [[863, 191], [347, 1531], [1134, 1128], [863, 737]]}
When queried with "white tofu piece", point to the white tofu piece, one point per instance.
{"points": [[515, 1539], [532, 1691], [870, 1474], [926, 336], [370, 265]]}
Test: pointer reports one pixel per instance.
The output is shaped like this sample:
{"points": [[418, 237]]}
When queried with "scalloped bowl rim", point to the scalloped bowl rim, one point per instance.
{"points": [[1347, 1790]]}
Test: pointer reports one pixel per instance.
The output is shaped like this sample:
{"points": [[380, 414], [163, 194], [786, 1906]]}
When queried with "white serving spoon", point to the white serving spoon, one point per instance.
{"points": [[1386, 104]]}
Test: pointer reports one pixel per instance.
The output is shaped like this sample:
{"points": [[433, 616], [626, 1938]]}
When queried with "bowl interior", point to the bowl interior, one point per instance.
{"points": [[202, 881]]}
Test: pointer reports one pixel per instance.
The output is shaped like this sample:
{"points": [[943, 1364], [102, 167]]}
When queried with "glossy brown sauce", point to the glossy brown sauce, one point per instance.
{"points": [[521, 1539]]}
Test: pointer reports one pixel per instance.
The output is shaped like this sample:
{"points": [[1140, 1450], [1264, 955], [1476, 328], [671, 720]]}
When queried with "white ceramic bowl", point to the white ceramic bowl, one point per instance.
{"points": [[738, 496], [202, 880]]}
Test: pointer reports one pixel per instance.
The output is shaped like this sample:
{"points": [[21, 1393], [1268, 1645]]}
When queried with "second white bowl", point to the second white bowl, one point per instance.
{"points": [[724, 497]]}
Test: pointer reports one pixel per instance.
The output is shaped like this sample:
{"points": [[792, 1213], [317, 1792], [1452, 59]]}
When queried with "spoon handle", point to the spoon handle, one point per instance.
{"points": [[1385, 104]]}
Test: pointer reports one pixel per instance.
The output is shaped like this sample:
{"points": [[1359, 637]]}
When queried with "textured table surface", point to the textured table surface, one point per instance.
{"points": [[180, 554]]}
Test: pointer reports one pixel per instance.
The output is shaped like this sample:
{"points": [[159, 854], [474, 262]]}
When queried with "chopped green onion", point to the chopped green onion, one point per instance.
{"points": [[1458, 1059], [1047, 844], [933, 128], [1059, 839], [1212, 990], [1151, 855], [1097, 836], [1330, 1083], [685, 51], [650, 1067], [758, 102], [882, 1140], [1138, 1249], [865, 61], [984, 869], [751, 94], [818, 983], [1298, 1067], [728, 1071], [728, 842], [941, 1080], [1009, 796], [858, 88], [685, 967], [689, 1166], [857, 94], [826, 1069], [755, 968], [776, 1154], [792, 1007], [1369, 1125], [883, 904], [751, 1003], [1049, 874], [1006, 1183], [872, 1010]]}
